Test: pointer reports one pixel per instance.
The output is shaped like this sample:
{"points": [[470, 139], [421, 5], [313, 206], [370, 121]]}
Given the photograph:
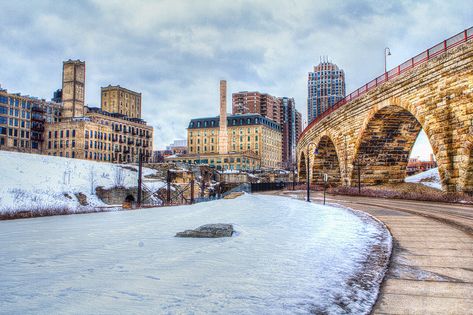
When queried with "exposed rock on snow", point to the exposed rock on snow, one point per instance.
{"points": [[82, 199], [209, 231]]}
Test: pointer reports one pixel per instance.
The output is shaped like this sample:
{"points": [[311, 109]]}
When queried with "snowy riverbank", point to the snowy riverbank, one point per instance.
{"points": [[288, 257], [31, 182]]}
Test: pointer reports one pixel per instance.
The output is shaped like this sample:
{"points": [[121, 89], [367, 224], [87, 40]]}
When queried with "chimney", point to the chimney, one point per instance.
{"points": [[223, 135]]}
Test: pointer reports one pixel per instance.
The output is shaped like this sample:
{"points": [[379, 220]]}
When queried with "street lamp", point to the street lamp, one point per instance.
{"points": [[387, 52]]}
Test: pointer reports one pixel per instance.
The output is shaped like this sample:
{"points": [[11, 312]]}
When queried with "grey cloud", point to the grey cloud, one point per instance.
{"points": [[174, 52]]}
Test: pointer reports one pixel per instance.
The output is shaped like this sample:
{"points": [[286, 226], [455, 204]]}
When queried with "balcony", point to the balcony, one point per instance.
{"points": [[130, 141], [145, 145], [37, 109], [117, 150], [122, 140], [125, 130], [37, 118], [148, 135], [126, 150], [36, 137], [37, 127]]}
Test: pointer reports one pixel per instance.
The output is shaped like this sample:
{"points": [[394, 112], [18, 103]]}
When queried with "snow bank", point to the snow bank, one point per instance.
{"points": [[289, 257], [430, 178], [34, 182]]}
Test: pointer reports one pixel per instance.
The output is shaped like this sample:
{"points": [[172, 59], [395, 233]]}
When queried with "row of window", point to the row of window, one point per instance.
{"points": [[61, 134]]}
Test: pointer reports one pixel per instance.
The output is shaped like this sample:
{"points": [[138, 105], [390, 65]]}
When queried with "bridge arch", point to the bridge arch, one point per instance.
{"points": [[385, 142], [326, 161]]}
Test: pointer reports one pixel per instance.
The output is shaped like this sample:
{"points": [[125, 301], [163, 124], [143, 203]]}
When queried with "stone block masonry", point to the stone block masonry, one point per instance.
{"points": [[378, 129]]}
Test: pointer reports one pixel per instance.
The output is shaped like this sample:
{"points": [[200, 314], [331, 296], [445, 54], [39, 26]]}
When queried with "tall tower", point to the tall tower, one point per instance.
{"points": [[73, 88], [223, 135], [325, 87]]}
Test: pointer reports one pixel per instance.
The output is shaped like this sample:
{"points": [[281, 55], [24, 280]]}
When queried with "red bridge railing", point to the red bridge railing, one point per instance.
{"points": [[394, 72]]}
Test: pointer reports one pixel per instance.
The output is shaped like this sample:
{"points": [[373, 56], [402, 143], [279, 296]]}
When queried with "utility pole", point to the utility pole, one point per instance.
{"points": [[140, 174], [168, 188], [325, 184], [192, 191]]}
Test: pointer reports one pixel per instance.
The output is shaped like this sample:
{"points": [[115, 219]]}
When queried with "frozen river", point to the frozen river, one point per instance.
{"points": [[288, 256]]}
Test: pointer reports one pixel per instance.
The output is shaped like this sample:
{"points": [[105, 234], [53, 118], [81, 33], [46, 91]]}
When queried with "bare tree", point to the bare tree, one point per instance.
{"points": [[119, 177], [92, 180]]}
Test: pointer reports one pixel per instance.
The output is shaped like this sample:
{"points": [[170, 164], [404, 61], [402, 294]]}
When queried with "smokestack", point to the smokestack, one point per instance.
{"points": [[223, 135]]}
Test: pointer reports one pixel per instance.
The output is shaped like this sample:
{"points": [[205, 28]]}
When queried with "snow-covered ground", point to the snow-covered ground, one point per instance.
{"points": [[288, 257], [32, 182], [430, 178]]}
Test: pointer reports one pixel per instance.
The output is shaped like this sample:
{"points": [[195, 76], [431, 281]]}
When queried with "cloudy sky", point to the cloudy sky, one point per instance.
{"points": [[175, 52]]}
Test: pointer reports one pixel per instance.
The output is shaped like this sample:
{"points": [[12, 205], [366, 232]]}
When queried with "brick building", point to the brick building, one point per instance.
{"points": [[235, 142], [72, 129], [23, 119], [281, 110], [116, 99]]}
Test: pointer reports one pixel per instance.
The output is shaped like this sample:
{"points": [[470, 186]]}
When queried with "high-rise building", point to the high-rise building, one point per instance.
{"points": [[73, 88], [291, 124], [325, 87], [256, 103], [116, 99]]}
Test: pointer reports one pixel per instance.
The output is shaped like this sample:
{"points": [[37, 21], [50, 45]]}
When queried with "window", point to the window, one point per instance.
{"points": [[3, 120]]}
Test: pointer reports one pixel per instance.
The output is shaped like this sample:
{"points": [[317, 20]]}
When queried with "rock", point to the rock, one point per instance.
{"points": [[209, 231], [82, 199]]}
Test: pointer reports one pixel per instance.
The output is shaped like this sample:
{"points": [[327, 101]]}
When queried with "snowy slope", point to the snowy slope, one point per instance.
{"points": [[32, 182], [430, 178], [288, 257]]}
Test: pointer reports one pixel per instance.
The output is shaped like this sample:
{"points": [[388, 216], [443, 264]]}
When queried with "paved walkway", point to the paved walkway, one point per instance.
{"points": [[431, 269]]}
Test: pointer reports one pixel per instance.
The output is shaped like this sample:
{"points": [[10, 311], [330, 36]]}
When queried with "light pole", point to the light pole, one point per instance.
{"points": [[387, 52]]}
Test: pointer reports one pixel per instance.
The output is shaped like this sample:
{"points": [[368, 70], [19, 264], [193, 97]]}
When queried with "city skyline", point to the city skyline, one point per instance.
{"points": [[175, 53]]}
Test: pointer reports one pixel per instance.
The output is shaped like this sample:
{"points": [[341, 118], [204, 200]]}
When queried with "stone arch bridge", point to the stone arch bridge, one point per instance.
{"points": [[376, 126]]}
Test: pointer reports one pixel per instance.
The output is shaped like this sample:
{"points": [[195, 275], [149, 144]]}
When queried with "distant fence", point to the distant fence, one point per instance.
{"points": [[275, 186]]}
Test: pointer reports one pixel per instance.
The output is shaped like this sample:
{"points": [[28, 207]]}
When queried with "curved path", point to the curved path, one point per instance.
{"points": [[431, 269]]}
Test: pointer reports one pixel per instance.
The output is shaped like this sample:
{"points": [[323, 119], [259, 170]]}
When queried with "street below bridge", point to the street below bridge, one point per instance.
{"points": [[431, 268]]}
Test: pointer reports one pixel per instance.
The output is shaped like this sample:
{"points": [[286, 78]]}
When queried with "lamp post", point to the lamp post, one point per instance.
{"points": [[387, 52]]}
